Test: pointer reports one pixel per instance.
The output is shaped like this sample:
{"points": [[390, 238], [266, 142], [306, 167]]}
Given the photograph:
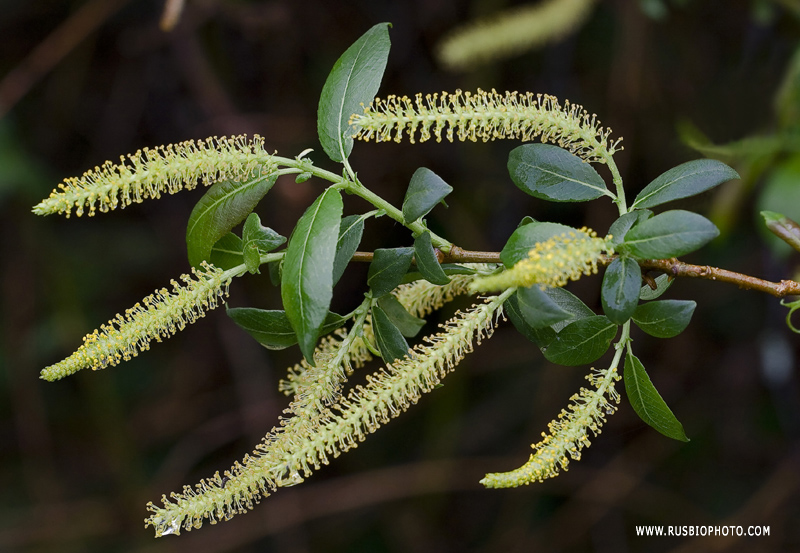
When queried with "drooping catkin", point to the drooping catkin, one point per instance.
{"points": [[569, 433], [151, 172], [158, 316], [303, 443]]}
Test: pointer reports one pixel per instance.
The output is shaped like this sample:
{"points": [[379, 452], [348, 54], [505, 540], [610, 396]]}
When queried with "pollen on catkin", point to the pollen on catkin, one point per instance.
{"points": [[552, 262], [308, 439], [420, 298], [569, 433], [159, 315], [486, 116], [151, 172]]}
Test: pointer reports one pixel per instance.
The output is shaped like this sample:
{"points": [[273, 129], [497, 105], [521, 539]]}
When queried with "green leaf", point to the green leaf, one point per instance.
{"points": [[408, 325], [526, 237], [427, 262], [222, 207], [544, 336], [663, 282], [685, 180], [619, 292], [387, 269], [669, 234], [307, 281], [425, 190], [272, 329], [227, 252], [664, 318], [581, 342], [538, 309], [647, 402], [257, 236], [783, 227], [350, 232], [552, 173], [354, 80], [258, 240], [390, 341], [623, 224]]}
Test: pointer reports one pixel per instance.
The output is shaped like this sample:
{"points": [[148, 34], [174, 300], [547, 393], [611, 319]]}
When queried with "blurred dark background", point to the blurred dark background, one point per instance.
{"points": [[85, 81]]}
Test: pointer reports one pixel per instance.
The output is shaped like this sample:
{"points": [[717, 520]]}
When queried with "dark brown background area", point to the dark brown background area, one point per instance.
{"points": [[82, 82]]}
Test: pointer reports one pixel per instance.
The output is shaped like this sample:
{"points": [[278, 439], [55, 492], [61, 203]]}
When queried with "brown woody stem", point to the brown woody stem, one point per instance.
{"points": [[672, 267]]}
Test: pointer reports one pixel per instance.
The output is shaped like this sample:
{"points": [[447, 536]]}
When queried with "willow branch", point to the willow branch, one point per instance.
{"points": [[672, 267], [676, 268]]}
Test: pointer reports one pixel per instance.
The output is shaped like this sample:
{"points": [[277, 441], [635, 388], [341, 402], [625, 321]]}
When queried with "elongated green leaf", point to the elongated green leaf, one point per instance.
{"points": [[687, 179], [350, 232], [619, 292], [647, 402], [354, 80], [664, 318], [669, 234], [538, 309], [425, 190], [552, 173], [663, 282], [258, 240], [307, 281], [408, 325], [390, 341], [427, 262], [542, 337], [272, 329], [581, 342], [387, 269], [526, 237], [623, 224], [222, 207], [227, 252]]}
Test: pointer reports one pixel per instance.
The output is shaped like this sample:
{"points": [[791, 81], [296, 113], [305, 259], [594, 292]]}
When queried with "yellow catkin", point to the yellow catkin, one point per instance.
{"points": [[486, 116], [301, 444], [151, 172], [158, 316], [420, 298], [569, 433], [552, 262]]}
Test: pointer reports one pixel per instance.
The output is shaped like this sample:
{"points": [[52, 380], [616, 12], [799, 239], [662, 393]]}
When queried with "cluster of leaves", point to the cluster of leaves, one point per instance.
{"points": [[308, 265]]}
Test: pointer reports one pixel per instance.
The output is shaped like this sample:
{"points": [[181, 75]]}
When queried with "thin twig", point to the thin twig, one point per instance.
{"points": [[676, 268], [672, 267]]}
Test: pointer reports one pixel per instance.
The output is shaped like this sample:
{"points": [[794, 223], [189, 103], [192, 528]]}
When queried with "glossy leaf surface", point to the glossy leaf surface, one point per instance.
{"points": [[387, 269], [307, 279], [551, 173], [619, 293], [669, 234], [582, 341], [425, 190], [354, 80], [664, 318], [647, 402], [427, 262], [687, 179], [222, 207]]}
